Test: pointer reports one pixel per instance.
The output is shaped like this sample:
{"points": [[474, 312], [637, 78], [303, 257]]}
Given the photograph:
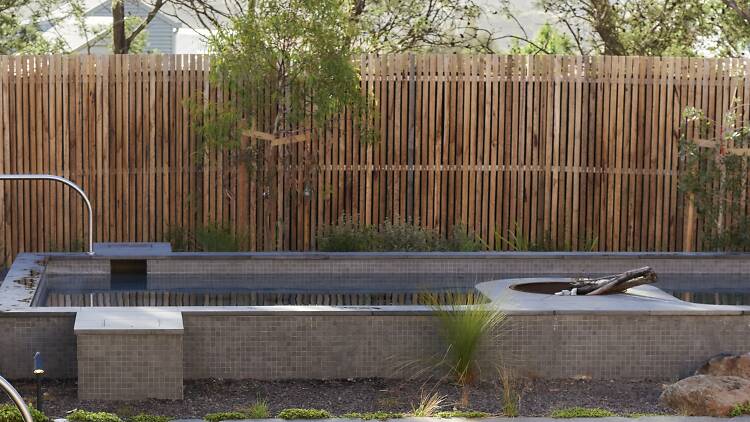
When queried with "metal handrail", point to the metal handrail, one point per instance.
{"points": [[17, 399], [67, 182]]}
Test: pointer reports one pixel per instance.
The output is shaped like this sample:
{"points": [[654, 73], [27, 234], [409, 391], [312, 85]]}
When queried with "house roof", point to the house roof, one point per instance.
{"points": [[72, 34]]}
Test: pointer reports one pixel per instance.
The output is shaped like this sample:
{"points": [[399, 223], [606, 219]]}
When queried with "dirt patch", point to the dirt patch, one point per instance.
{"points": [[538, 397]]}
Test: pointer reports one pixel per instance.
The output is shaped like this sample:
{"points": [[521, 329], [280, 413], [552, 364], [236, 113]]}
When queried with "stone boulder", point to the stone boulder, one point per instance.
{"points": [[727, 365], [707, 395]]}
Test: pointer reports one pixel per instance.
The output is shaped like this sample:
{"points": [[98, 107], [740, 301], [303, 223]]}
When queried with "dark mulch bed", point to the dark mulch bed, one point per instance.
{"points": [[538, 397]]}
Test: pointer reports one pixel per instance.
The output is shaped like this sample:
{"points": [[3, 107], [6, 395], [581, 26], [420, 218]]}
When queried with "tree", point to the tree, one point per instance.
{"points": [[122, 38], [383, 25], [22, 35], [636, 27], [547, 41], [300, 53]]}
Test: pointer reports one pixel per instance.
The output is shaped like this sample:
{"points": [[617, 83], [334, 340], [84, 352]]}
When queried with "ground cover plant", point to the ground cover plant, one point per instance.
{"points": [[258, 410], [145, 417], [429, 404], [468, 414], [225, 416], [79, 415], [10, 413], [297, 413], [368, 416], [581, 412]]}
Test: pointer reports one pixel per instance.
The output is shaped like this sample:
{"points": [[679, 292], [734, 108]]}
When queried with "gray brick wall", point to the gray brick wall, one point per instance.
{"points": [[129, 366], [23, 335]]}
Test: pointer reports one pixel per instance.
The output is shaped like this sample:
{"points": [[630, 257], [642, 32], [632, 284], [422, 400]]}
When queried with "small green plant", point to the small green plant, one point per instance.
{"points": [[225, 416], [581, 412], [519, 241], [510, 396], [395, 235], [210, 238], [145, 417], [258, 410], [295, 413], [10, 413], [78, 415], [740, 409], [429, 404], [369, 416], [464, 322], [467, 414]]}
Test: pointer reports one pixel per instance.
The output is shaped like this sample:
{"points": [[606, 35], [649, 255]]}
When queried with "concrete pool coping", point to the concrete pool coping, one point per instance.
{"points": [[18, 289]]}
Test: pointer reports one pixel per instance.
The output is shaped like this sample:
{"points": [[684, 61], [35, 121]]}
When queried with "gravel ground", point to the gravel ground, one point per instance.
{"points": [[538, 397]]}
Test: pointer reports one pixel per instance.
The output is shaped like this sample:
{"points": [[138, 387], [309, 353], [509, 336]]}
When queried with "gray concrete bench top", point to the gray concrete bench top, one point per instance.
{"points": [[128, 321]]}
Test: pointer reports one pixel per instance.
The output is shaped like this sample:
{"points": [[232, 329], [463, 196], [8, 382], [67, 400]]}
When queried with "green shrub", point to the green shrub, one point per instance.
{"points": [[10, 413], [378, 416], [462, 414], [210, 238], [295, 413], [258, 410], [84, 416], [740, 409], [225, 416], [393, 236], [581, 412], [145, 417]]}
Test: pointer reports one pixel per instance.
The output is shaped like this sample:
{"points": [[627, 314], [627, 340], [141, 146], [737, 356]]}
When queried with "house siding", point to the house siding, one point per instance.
{"points": [[160, 31]]}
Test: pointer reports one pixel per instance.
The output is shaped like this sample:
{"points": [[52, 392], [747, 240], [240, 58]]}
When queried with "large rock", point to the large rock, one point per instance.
{"points": [[707, 395], [727, 365]]}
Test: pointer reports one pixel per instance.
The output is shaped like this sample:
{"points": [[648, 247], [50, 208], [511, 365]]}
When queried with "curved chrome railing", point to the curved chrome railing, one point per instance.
{"points": [[17, 399], [67, 182]]}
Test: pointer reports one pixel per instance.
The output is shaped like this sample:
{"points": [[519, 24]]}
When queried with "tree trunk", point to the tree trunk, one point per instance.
{"points": [[614, 283], [119, 40]]}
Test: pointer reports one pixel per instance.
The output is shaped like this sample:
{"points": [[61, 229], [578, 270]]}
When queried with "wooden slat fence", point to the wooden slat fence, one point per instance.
{"points": [[564, 148]]}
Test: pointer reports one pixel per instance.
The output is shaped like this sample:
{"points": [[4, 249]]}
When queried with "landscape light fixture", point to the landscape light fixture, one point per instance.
{"points": [[38, 374]]}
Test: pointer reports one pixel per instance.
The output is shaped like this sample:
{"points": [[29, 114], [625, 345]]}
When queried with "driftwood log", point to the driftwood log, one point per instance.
{"points": [[613, 283]]}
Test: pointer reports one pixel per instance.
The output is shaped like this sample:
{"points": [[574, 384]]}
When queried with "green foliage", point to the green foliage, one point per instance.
{"points": [[468, 414], [715, 178], [510, 397], [78, 415], [392, 236], [463, 326], [547, 41], [145, 417], [19, 27], [581, 412], [295, 413], [378, 416], [300, 54], [225, 416], [210, 238], [258, 410], [740, 409], [10, 413]]}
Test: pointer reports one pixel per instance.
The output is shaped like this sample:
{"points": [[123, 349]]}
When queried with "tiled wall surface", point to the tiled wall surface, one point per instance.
{"points": [[23, 335], [129, 366], [548, 346]]}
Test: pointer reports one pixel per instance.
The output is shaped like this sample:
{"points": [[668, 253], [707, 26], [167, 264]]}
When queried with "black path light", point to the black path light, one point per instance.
{"points": [[38, 374]]}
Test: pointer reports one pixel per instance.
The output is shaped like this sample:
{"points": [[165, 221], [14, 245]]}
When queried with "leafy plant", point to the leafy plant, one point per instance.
{"points": [[581, 412], [10, 413], [392, 236], [145, 417], [225, 416], [213, 237], [715, 177], [258, 410], [740, 409], [379, 416], [428, 405], [467, 414], [464, 323], [296, 413], [78, 415]]}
